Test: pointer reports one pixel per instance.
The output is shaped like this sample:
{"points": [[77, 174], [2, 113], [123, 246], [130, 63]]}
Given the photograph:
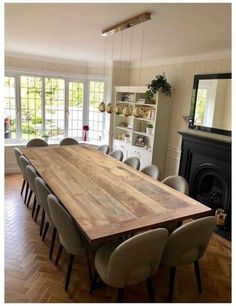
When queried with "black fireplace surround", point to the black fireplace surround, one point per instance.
{"points": [[206, 165]]}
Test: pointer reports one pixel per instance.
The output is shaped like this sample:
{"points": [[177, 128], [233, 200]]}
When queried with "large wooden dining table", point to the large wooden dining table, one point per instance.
{"points": [[108, 198]]}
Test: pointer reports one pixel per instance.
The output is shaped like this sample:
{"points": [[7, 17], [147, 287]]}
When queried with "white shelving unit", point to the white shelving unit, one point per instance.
{"points": [[127, 129]]}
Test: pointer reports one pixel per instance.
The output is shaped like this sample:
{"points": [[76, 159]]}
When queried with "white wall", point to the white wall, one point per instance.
{"points": [[180, 76]]}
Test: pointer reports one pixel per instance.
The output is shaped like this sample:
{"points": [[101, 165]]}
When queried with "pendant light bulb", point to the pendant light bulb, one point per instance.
{"points": [[102, 107]]}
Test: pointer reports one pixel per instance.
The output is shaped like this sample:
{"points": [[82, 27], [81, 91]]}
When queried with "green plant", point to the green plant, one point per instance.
{"points": [[45, 136], [149, 125], [158, 84]]}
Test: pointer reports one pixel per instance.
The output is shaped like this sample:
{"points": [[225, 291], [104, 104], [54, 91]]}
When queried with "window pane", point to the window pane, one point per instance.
{"points": [[9, 108], [75, 107], [54, 107], [96, 118], [201, 107], [31, 107]]}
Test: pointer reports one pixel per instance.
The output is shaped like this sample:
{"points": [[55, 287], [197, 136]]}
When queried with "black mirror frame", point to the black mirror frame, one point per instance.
{"points": [[196, 80]]}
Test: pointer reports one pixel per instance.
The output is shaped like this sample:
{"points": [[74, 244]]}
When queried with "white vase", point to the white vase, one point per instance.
{"points": [[149, 131]]}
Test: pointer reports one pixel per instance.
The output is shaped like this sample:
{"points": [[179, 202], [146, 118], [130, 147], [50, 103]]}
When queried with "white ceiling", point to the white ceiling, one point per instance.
{"points": [[73, 31]]}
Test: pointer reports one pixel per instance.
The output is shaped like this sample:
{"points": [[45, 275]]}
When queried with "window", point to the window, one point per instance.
{"points": [[31, 107], [56, 107], [9, 108], [201, 106], [96, 118], [75, 109]]}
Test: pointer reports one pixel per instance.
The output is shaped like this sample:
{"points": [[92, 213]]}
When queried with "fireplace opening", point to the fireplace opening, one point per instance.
{"points": [[211, 192], [209, 187]]}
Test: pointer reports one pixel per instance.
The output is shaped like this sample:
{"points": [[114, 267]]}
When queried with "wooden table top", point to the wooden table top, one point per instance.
{"points": [[106, 197]]}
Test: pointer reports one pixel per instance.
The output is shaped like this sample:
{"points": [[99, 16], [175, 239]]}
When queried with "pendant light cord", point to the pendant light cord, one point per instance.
{"points": [[131, 45], [121, 48], [141, 56]]}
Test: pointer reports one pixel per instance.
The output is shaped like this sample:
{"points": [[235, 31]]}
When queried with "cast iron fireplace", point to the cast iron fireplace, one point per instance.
{"points": [[206, 165]]}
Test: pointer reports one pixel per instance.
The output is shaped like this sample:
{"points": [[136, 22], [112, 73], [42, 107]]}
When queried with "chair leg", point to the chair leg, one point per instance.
{"points": [[42, 221], [54, 232], [171, 284], [59, 254], [120, 295], [34, 206], [45, 231], [37, 213], [69, 269], [150, 289], [94, 280], [23, 186], [29, 198], [89, 265], [26, 191], [198, 276]]}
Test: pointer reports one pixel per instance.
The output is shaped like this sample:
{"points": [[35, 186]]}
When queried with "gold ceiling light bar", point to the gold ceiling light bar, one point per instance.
{"points": [[126, 24]]}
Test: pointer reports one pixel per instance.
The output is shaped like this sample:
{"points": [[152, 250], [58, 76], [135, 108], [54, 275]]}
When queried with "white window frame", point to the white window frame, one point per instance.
{"points": [[17, 73]]}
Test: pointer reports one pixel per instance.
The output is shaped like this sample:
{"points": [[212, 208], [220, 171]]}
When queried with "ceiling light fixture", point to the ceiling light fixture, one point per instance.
{"points": [[126, 24]]}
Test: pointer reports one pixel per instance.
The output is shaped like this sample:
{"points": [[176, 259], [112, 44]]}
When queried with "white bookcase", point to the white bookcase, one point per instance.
{"points": [[127, 129]]}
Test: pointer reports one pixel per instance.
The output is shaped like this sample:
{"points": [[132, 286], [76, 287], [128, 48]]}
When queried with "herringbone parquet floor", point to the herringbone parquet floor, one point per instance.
{"points": [[31, 277]]}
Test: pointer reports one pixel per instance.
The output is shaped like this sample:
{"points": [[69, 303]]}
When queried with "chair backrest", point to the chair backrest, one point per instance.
{"points": [[136, 259], [133, 161], [31, 175], [104, 149], [177, 182], [69, 234], [117, 154], [152, 171], [68, 141], [24, 163], [36, 142], [42, 192], [18, 153], [189, 241]]}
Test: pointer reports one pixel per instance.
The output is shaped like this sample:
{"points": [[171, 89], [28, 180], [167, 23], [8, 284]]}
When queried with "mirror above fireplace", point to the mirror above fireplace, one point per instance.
{"points": [[211, 103]]}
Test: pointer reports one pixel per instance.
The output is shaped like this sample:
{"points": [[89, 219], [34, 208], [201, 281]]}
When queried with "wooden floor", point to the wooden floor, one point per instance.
{"points": [[31, 277]]}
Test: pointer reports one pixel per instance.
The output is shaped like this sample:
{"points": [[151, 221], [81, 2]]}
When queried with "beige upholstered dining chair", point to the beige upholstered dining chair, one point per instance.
{"points": [[117, 154], [187, 244], [177, 182], [104, 148], [133, 261], [18, 153], [31, 175], [42, 192], [133, 161], [23, 164], [152, 171], [36, 142], [69, 235], [68, 141]]}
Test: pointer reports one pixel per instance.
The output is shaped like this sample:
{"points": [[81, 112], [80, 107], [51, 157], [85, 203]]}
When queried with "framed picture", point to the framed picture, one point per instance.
{"points": [[140, 141]]}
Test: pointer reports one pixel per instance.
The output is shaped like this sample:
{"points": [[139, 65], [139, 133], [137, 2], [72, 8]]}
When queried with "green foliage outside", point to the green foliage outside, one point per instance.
{"points": [[31, 104]]}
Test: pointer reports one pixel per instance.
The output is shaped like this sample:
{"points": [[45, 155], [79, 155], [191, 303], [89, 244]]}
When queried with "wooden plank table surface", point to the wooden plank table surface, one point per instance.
{"points": [[108, 198]]}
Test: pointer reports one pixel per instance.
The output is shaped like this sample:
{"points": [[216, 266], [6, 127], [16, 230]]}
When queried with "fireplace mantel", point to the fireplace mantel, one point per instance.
{"points": [[206, 165]]}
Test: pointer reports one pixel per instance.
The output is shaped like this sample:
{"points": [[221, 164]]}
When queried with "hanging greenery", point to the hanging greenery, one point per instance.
{"points": [[158, 84]]}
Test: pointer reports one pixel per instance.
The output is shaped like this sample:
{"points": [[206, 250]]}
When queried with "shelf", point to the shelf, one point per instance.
{"points": [[145, 104], [125, 102], [142, 133], [120, 115], [124, 128], [129, 142], [143, 148], [143, 119]]}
